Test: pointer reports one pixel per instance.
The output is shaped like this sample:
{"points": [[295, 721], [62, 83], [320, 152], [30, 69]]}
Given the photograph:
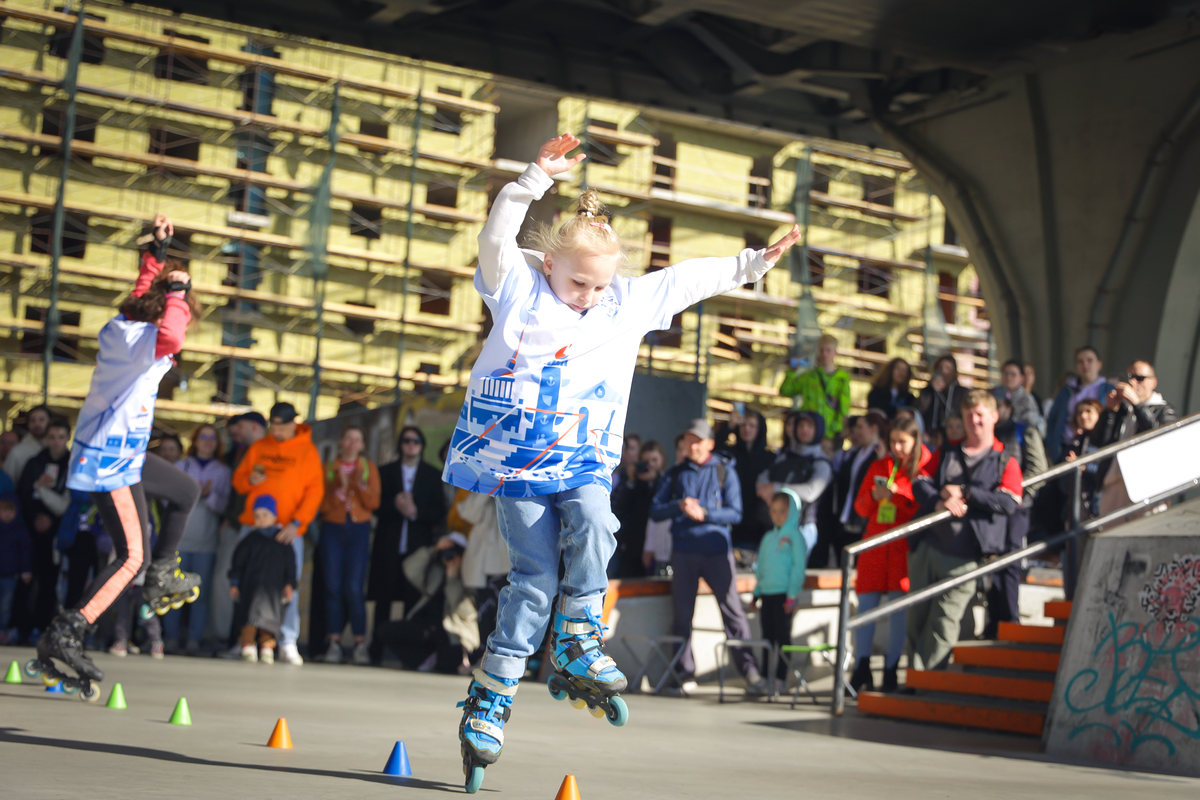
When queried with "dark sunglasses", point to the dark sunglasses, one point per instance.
{"points": [[410, 440], [1138, 378]]}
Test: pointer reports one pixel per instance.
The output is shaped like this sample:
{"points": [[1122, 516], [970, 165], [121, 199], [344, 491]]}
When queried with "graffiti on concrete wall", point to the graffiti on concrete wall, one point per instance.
{"points": [[1138, 678]]}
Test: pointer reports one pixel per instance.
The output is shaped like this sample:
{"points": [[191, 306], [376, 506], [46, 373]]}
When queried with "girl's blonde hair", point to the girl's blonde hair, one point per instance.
{"points": [[588, 231]]}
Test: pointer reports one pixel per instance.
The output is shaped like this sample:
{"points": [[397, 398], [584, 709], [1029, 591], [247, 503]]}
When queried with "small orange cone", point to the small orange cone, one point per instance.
{"points": [[569, 789], [280, 737]]}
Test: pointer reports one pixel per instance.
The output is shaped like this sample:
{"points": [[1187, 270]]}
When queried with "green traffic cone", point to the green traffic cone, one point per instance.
{"points": [[117, 700], [181, 715], [14, 673]]}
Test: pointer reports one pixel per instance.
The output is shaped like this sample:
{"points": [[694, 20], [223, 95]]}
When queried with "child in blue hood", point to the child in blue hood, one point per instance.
{"points": [[782, 558]]}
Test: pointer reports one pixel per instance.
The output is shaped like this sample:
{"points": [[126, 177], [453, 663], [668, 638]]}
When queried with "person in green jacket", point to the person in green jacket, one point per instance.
{"points": [[782, 558], [824, 389]]}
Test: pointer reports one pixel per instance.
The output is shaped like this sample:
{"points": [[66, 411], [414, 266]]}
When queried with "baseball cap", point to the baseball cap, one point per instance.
{"points": [[283, 412], [250, 416], [699, 428]]}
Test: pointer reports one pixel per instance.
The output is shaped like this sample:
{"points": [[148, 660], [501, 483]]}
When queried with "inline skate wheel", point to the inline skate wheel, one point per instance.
{"points": [[597, 711], [145, 612], [32, 669], [619, 713], [70, 689], [164, 609], [90, 694], [578, 702], [557, 694], [474, 779], [192, 595], [49, 680]]}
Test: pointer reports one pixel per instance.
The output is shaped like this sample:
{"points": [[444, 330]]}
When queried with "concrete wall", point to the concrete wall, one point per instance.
{"points": [[1128, 686]]}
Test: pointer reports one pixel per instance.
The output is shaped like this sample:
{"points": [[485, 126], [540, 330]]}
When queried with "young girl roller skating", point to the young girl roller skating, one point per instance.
{"points": [[110, 461], [541, 432]]}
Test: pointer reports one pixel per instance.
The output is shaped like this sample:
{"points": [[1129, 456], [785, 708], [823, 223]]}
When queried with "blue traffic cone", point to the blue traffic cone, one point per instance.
{"points": [[56, 688], [397, 763]]}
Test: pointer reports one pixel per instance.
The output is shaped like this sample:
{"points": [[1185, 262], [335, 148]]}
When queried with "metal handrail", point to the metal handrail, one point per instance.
{"points": [[845, 624]]}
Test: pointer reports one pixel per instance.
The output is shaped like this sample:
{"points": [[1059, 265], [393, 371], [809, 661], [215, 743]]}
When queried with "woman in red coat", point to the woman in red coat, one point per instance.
{"points": [[885, 501]]}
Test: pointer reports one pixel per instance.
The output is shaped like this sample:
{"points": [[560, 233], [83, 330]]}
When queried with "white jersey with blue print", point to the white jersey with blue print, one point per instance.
{"points": [[115, 421], [545, 408]]}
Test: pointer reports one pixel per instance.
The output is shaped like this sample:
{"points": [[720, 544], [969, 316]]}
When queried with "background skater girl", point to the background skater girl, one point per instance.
{"points": [[109, 459], [541, 431]]}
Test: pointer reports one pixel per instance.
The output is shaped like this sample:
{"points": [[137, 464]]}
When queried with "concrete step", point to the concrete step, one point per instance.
{"points": [[1037, 688], [1040, 634], [1008, 655], [1058, 610], [1011, 716]]}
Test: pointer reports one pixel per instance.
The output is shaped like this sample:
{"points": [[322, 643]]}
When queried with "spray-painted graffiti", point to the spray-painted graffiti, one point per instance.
{"points": [[1139, 681]]}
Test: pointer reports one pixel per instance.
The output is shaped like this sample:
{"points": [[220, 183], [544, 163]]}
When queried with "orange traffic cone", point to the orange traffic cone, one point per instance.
{"points": [[280, 737], [569, 789]]}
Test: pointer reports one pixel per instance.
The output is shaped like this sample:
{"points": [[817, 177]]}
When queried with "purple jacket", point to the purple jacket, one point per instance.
{"points": [[215, 471]]}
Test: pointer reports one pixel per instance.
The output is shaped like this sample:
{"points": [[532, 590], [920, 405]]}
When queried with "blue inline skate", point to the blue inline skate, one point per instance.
{"points": [[487, 707], [581, 669]]}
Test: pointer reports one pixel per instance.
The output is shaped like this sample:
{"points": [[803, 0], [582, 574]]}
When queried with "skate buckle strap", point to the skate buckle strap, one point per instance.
{"points": [[492, 684], [572, 628], [486, 728], [600, 664]]}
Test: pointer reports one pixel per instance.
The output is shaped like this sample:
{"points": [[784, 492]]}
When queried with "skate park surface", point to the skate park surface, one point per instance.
{"points": [[345, 720]]}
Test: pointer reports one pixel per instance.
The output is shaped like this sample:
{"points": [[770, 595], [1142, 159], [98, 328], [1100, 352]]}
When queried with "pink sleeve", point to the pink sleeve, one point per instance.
{"points": [[147, 272], [173, 328]]}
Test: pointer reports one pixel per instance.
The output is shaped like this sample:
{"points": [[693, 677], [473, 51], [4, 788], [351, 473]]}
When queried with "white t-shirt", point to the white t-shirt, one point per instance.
{"points": [[545, 408], [407, 476], [118, 413]]}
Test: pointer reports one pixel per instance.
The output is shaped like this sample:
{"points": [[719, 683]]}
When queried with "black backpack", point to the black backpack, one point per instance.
{"points": [[793, 468]]}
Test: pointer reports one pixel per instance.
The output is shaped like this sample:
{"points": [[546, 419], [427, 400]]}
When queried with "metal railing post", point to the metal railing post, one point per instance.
{"points": [[1070, 564], [53, 321], [839, 673]]}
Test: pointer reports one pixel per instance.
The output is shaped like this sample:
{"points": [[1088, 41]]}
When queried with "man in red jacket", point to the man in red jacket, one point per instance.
{"points": [[286, 465]]}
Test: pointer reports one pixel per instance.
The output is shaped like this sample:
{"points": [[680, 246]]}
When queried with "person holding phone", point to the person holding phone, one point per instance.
{"points": [[885, 501], [42, 490]]}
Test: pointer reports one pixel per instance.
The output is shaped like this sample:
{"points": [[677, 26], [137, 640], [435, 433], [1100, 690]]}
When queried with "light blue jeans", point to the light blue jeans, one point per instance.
{"points": [[577, 525], [289, 632], [202, 565], [866, 634]]}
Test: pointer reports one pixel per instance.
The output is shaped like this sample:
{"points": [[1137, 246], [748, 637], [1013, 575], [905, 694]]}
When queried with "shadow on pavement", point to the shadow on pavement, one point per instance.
{"points": [[17, 736]]}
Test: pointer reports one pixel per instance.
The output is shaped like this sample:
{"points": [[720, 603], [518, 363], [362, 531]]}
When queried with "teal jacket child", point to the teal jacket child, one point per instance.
{"points": [[782, 556]]}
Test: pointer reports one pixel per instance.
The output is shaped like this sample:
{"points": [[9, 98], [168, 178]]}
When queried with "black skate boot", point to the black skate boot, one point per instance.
{"points": [[64, 641], [168, 587]]}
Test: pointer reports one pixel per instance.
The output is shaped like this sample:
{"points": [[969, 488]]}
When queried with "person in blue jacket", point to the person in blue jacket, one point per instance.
{"points": [[703, 498], [779, 573]]}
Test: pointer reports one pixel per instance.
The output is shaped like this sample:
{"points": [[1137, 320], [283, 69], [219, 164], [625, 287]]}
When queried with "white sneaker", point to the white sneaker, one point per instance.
{"points": [[334, 654], [266, 655], [249, 653], [362, 654], [683, 690], [288, 654], [756, 684]]}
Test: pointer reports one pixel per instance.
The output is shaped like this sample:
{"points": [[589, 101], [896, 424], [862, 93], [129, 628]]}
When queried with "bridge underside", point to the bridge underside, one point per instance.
{"points": [[1060, 134]]}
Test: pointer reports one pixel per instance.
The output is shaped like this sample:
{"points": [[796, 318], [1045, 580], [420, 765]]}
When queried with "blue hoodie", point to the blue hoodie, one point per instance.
{"points": [[783, 556], [722, 500]]}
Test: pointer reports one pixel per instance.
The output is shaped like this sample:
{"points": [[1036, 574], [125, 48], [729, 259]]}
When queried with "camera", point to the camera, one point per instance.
{"points": [[450, 553]]}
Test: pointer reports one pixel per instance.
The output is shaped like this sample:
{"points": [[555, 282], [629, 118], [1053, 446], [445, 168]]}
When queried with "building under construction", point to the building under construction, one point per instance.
{"points": [[327, 200]]}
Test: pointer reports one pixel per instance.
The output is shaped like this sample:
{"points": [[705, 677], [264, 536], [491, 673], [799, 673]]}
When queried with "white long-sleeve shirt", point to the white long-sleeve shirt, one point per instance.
{"points": [[545, 407]]}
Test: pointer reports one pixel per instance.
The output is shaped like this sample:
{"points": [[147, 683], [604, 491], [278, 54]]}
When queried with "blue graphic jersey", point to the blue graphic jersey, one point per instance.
{"points": [[545, 408], [114, 423]]}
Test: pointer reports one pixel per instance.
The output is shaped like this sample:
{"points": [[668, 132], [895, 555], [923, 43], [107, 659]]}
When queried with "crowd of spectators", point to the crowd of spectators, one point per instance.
{"points": [[433, 562]]}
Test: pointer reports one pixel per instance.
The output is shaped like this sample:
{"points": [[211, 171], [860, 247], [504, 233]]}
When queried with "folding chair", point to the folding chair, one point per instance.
{"points": [[824, 649], [656, 644], [722, 649]]}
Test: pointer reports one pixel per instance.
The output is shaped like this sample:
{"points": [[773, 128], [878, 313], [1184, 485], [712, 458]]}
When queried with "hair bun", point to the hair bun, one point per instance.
{"points": [[589, 205]]}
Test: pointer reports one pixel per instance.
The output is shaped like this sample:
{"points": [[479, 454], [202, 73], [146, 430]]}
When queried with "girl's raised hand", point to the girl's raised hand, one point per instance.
{"points": [[776, 251], [162, 227], [552, 158]]}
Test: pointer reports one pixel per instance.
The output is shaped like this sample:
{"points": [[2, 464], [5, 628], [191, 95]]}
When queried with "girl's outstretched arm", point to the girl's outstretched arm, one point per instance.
{"points": [[689, 282], [498, 251], [155, 256]]}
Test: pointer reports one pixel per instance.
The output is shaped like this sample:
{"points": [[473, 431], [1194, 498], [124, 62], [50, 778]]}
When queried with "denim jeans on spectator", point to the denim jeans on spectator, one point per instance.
{"points": [[7, 587], [201, 564], [344, 552], [577, 525], [290, 630]]}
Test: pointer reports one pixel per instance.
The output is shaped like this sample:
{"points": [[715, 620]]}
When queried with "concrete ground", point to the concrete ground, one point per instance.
{"points": [[344, 721]]}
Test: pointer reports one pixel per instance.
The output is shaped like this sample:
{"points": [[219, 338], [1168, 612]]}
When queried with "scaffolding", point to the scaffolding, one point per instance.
{"points": [[326, 203]]}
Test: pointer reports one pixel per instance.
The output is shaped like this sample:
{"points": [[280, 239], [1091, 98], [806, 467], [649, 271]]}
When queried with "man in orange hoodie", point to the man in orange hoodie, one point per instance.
{"points": [[286, 465]]}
